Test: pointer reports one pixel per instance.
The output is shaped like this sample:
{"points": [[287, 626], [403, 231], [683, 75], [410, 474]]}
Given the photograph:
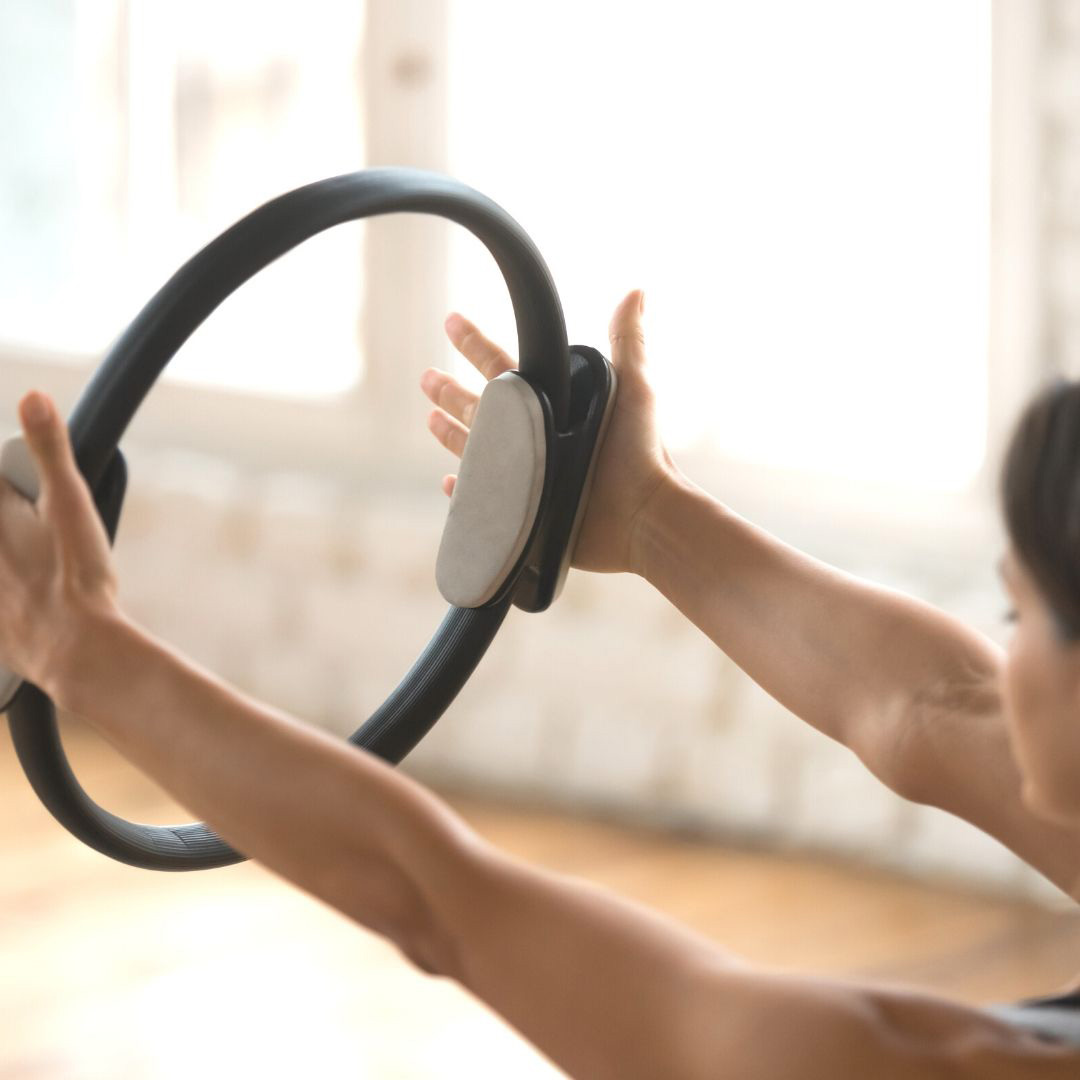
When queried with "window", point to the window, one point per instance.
{"points": [[801, 189], [139, 132]]}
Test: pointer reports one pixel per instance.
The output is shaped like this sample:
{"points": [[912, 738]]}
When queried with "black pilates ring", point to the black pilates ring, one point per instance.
{"points": [[113, 395]]}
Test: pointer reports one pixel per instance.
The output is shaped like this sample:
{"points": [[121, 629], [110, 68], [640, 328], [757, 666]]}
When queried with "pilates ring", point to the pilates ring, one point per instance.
{"points": [[513, 519]]}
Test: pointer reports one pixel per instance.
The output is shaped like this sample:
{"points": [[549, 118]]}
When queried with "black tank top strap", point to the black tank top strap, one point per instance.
{"points": [[1055, 1018]]}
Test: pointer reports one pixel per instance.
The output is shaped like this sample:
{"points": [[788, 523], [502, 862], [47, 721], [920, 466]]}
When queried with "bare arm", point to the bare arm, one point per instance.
{"points": [[338, 822], [611, 990], [845, 655], [604, 987], [910, 689]]}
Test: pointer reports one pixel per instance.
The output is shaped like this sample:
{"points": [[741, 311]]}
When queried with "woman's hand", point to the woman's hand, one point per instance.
{"points": [[55, 562], [633, 463]]}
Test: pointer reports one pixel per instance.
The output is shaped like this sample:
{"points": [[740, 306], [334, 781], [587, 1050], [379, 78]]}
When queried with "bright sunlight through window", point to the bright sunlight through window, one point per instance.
{"points": [[139, 132], [801, 189]]}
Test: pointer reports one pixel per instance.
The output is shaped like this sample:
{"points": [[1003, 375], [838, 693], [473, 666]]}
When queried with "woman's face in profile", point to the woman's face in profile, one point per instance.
{"points": [[1041, 692]]}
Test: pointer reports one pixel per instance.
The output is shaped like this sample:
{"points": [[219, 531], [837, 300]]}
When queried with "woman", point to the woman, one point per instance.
{"points": [[604, 987]]}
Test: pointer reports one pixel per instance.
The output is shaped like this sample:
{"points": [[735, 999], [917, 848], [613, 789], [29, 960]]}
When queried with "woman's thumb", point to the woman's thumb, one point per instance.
{"points": [[46, 437], [625, 333]]}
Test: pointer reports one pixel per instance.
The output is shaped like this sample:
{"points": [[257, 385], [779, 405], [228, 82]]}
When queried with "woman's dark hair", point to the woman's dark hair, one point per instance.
{"points": [[1040, 495]]}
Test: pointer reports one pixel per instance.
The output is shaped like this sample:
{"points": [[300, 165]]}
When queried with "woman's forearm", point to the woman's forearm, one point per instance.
{"points": [[591, 980], [849, 657], [331, 818]]}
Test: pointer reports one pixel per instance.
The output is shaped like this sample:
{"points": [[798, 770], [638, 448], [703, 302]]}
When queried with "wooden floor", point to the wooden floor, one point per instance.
{"points": [[108, 972]]}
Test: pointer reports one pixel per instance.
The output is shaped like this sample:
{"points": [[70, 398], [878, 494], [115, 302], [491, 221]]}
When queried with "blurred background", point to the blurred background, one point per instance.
{"points": [[858, 230]]}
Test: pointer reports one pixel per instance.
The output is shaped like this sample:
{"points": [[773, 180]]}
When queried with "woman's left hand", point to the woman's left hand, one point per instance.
{"points": [[55, 561]]}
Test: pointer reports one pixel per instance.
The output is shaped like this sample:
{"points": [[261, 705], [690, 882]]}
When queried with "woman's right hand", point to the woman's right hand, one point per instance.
{"points": [[633, 464]]}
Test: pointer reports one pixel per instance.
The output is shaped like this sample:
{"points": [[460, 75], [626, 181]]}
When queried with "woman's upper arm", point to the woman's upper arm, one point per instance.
{"points": [[608, 988]]}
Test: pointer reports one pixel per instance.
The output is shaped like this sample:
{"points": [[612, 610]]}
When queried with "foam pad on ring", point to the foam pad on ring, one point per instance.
{"points": [[17, 467], [497, 493]]}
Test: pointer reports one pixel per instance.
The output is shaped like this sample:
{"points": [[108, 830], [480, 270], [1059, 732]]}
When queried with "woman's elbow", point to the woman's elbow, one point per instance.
{"points": [[427, 900]]}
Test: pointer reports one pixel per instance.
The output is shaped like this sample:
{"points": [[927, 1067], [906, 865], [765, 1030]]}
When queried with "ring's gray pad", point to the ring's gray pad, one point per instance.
{"points": [[17, 467], [497, 493]]}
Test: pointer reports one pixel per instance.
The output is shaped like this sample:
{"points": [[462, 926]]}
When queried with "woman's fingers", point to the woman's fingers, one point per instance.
{"points": [[448, 431], [481, 352], [446, 392], [65, 499], [450, 422]]}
